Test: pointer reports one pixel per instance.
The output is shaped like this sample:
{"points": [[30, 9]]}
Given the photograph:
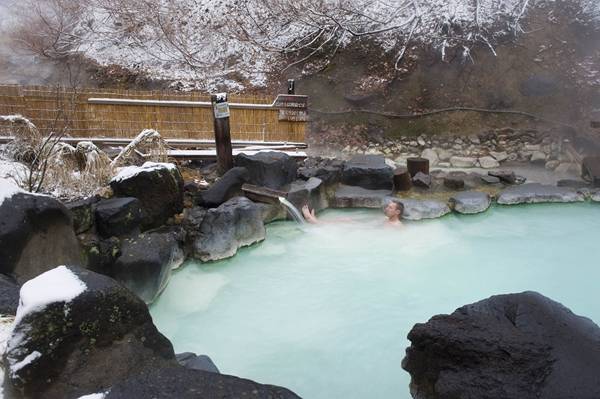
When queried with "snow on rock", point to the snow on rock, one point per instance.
{"points": [[131, 171], [57, 285], [100, 395], [8, 188], [32, 357]]}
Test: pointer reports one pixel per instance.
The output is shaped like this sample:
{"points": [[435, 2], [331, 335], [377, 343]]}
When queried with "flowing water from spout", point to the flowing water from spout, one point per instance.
{"points": [[292, 210], [326, 314]]}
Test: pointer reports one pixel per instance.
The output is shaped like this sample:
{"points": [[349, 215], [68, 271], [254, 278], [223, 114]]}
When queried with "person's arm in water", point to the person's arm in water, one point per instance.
{"points": [[309, 215]]}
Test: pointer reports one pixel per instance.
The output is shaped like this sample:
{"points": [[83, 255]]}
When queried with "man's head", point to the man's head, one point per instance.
{"points": [[393, 210]]}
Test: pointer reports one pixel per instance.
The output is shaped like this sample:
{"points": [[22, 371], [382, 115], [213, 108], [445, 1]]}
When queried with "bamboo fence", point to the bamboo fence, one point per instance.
{"points": [[57, 108]]}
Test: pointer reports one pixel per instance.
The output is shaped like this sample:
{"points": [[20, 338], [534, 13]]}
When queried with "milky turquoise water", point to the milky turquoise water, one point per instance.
{"points": [[325, 312]]}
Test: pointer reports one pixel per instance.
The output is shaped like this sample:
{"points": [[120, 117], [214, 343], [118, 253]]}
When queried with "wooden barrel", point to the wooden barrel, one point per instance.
{"points": [[402, 179], [416, 165]]}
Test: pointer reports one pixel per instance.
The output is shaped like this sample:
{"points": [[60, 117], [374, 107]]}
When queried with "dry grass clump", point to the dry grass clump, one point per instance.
{"points": [[55, 167], [149, 144], [27, 139], [77, 171]]}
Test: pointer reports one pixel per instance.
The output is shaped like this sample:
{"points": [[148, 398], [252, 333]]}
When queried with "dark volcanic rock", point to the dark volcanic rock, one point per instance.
{"points": [[470, 202], [505, 176], [196, 362], [158, 187], [572, 183], [328, 170], [9, 295], [235, 224], [228, 186], [87, 333], [368, 171], [516, 346], [183, 383], [421, 180], [454, 182], [537, 193], [269, 169], [490, 179], [358, 197], [423, 209], [309, 192], [192, 219], [83, 214], [146, 261], [118, 216], [100, 254], [36, 234]]}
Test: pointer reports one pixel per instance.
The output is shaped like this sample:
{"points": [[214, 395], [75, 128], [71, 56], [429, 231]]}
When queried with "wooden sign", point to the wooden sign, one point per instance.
{"points": [[293, 108]]}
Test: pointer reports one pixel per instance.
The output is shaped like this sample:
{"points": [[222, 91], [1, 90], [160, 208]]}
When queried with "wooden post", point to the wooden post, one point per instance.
{"points": [[222, 132], [402, 180], [416, 165]]}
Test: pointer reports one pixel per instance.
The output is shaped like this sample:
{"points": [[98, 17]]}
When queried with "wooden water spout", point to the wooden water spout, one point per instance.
{"points": [[263, 194], [274, 197]]}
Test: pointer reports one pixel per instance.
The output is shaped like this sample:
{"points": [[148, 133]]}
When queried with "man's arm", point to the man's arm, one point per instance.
{"points": [[309, 215]]}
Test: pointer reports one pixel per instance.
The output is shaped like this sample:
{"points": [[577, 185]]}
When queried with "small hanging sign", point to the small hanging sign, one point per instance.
{"points": [[220, 105], [293, 108]]}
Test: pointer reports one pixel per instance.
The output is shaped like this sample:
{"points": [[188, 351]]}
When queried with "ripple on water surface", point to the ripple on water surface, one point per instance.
{"points": [[325, 311]]}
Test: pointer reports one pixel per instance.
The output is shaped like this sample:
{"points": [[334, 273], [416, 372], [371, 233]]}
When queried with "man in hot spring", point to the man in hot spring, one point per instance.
{"points": [[393, 211]]}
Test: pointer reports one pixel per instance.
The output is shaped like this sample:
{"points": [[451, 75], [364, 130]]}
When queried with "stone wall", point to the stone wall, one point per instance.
{"points": [[486, 150]]}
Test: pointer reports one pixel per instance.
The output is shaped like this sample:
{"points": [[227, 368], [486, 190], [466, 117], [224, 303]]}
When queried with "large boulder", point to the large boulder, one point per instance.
{"points": [[184, 383], [533, 193], [158, 187], [78, 332], [514, 346], [82, 212], [36, 233], [145, 262], [358, 197], [506, 176], [328, 170], [269, 169], [235, 224], [423, 209], [118, 216], [9, 296], [470, 202], [226, 187], [310, 192], [99, 253], [368, 171]]}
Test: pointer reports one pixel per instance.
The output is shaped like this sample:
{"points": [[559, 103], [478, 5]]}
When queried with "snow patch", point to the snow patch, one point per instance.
{"points": [[8, 188], [131, 171], [57, 285], [17, 119], [100, 395], [15, 367]]}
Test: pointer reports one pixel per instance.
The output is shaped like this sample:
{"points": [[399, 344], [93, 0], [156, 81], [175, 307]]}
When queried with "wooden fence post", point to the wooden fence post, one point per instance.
{"points": [[222, 132]]}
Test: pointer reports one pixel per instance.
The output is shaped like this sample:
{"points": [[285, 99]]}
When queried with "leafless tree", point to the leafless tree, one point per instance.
{"points": [[50, 28]]}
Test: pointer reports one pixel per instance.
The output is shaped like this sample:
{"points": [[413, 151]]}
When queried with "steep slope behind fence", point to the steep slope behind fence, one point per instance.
{"points": [[53, 109]]}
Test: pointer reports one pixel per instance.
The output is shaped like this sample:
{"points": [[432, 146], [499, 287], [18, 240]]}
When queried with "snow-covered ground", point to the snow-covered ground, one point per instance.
{"points": [[209, 44]]}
